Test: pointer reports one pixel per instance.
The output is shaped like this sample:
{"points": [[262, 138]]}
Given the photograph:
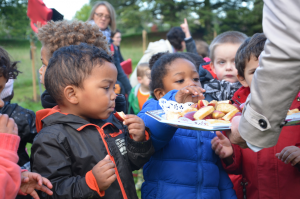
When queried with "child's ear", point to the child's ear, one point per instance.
{"points": [[139, 79], [159, 93], [212, 67], [70, 94], [242, 81]]}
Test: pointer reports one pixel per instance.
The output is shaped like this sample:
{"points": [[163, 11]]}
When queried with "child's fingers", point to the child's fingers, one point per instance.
{"points": [[133, 120], [285, 155], [108, 166], [136, 126], [34, 195], [214, 143], [290, 157], [109, 173], [295, 161], [221, 136], [111, 179], [218, 150], [47, 183], [44, 189], [24, 179]]}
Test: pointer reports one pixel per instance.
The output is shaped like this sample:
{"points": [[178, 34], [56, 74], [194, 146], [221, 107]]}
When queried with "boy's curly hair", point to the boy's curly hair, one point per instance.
{"points": [[55, 35], [175, 36], [8, 68]]}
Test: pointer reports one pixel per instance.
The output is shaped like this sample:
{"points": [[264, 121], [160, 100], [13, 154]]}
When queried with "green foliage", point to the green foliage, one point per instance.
{"points": [[13, 21], [84, 13]]}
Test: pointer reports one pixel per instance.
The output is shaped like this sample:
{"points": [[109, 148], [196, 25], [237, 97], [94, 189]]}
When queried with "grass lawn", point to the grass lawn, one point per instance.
{"points": [[131, 47]]}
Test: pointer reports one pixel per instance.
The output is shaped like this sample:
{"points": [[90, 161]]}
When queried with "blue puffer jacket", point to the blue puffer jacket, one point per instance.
{"points": [[184, 165]]}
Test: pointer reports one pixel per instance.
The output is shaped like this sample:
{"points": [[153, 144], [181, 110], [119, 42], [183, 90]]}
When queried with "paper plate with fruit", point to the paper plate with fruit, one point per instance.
{"points": [[206, 116]]}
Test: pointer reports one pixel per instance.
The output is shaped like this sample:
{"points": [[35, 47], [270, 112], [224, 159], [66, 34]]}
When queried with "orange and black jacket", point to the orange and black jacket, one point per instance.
{"points": [[68, 147]]}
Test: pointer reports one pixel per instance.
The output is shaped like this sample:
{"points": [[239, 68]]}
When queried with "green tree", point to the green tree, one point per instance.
{"points": [[84, 13], [14, 17]]}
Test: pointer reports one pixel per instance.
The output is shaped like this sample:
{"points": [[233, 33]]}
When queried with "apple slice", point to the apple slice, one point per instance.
{"points": [[230, 115], [188, 110], [213, 103], [237, 114], [225, 102], [172, 115], [190, 115], [217, 114], [203, 112], [202, 103], [208, 117], [215, 121], [226, 108], [238, 107], [290, 112], [120, 116]]}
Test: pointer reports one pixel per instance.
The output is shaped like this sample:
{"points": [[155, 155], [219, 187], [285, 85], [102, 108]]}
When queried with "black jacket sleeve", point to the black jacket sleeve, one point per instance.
{"points": [[50, 158], [191, 46], [139, 153], [121, 75]]}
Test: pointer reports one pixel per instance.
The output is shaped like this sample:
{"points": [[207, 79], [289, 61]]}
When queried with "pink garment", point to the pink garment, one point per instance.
{"points": [[10, 172]]}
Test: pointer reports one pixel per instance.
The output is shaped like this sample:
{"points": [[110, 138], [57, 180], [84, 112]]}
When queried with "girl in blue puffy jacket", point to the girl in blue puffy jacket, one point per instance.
{"points": [[184, 165]]}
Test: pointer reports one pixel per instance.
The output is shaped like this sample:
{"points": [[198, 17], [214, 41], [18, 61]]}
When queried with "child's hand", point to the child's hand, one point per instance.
{"points": [[222, 147], [31, 181], [8, 125], [290, 154], [136, 127], [189, 94], [185, 28], [104, 173]]}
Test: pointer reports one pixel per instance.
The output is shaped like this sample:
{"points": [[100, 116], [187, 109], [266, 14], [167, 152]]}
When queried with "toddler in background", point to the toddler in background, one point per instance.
{"points": [[222, 54], [267, 173], [141, 92]]}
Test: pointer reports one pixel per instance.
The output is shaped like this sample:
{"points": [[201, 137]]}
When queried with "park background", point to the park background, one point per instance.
{"points": [[206, 18]]}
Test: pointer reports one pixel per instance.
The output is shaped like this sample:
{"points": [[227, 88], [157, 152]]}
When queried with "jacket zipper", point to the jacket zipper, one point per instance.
{"points": [[244, 184]]}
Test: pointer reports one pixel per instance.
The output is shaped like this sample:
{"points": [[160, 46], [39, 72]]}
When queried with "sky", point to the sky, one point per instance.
{"points": [[67, 8]]}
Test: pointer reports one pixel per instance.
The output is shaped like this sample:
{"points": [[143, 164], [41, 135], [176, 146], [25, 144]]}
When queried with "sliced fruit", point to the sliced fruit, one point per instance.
{"points": [[216, 121], [230, 115], [188, 110], [237, 114], [290, 112], [202, 103], [203, 112], [172, 115], [217, 114], [213, 103], [238, 107], [225, 108], [194, 105], [225, 102], [208, 117], [120, 116], [190, 115]]}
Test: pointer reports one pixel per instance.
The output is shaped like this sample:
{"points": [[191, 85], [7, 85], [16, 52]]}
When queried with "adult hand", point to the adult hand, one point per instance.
{"points": [[8, 125], [31, 181], [234, 135], [185, 29], [290, 154]]}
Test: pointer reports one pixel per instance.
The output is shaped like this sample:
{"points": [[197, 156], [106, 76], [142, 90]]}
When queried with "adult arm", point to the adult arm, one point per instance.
{"points": [[51, 159], [267, 106], [161, 133]]}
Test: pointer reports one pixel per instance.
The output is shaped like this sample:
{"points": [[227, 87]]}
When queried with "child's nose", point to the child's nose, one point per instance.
{"points": [[41, 70]]}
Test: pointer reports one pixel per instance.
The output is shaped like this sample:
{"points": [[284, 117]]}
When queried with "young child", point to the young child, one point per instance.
{"points": [[141, 92], [183, 165], [264, 176], [222, 54], [77, 150], [55, 35], [24, 118]]}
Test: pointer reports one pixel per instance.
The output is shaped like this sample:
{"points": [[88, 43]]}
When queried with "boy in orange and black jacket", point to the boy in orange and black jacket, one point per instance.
{"points": [[77, 149]]}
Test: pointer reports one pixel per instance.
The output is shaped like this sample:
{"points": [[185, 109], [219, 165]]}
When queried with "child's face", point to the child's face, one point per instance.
{"points": [[96, 99], [145, 80], [45, 60], [223, 65], [3, 81], [249, 71], [180, 73]]}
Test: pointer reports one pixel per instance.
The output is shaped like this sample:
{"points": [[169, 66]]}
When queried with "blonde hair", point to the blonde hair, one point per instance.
{"points": [[112, 14], [232, 37], [141, 69]]}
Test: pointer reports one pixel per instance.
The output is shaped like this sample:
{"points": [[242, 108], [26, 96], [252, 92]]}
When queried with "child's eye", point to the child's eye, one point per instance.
{"points": [[221, 62], [196, 79], [180, 81]]}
